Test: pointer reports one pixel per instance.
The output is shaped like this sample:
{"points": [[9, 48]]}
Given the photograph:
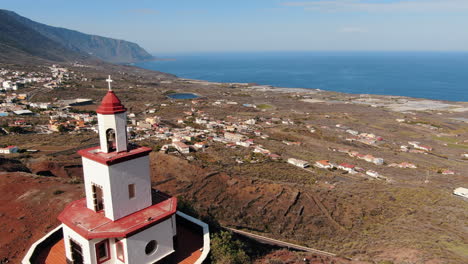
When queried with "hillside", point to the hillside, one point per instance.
{"points": [[24, 37], [19, 41]]}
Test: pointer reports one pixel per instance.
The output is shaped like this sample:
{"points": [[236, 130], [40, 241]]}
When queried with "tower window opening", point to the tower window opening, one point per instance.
{"points": [[110, 139], [131, 191], [98, 198]]}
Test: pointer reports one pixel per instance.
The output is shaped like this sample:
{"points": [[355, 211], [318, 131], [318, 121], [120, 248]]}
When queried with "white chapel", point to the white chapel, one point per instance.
{"points": [[122, 219]]}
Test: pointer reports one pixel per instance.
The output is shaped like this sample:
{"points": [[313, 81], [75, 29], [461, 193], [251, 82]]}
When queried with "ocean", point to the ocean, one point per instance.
{"points": [[431, 75]]}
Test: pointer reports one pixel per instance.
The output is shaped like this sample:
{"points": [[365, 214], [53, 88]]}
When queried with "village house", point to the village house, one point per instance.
{"points": [[417, 145], [9, 150], [274, 156], [460, 191], [373, 173], [259, 149], [347, 167], [243, 143], [181, 147], [200, 145], [298, 163], [352, 132], [448, 172], [250, 122], [324, 164], [152, 120], [233, 136], [290, 143], [403, 165]]}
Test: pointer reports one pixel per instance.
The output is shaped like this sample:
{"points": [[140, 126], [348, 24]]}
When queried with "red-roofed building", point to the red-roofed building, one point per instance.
{"points": [[121, 219], [9, 150], [324, 164], [347, 167]]}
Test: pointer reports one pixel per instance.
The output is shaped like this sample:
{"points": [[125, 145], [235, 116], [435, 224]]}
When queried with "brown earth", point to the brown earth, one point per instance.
{"points": [[29, 207]]}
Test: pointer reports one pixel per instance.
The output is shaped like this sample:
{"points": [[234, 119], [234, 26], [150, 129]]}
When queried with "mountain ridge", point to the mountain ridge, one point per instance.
{"points": [[23, 35]]}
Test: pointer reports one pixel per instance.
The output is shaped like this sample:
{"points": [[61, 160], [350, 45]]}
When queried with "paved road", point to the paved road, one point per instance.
{"points": [[270, 241]]}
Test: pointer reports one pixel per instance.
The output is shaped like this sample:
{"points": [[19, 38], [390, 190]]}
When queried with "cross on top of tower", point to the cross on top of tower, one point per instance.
{"points": [[109, 80]]}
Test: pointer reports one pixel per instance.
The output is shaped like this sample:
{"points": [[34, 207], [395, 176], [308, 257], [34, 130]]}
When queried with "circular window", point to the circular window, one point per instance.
{"points": [[151, 247]]}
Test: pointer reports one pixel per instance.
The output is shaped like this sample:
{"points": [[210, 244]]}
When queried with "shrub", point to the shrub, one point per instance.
{"points": [[227, 250], [57, 192]]}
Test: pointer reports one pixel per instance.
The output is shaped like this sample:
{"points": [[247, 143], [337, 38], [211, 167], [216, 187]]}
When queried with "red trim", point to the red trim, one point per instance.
{"points": [[113, 157], [110, 105], [91, 225], [117, 244], [99, 260]]}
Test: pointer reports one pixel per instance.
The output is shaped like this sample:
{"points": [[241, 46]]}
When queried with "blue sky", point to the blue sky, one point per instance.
{"points": [[172, 26]]}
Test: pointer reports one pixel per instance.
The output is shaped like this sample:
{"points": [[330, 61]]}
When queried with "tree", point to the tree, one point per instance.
{"points": [[62, 129], [227, 250], [15, 130]]}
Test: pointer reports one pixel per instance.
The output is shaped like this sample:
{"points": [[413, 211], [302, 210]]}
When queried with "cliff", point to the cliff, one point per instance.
{"points": [[20, 36]]}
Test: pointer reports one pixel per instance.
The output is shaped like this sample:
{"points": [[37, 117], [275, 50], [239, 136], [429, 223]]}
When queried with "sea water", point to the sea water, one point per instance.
{"points": [[432, 75]]}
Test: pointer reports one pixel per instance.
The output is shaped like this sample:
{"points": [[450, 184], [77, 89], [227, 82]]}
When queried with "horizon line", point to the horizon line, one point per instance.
{"points": [[155, 53]]}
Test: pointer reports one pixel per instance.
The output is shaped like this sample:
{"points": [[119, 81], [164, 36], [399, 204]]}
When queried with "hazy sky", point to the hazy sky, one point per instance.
{"points": [[166, 26]]}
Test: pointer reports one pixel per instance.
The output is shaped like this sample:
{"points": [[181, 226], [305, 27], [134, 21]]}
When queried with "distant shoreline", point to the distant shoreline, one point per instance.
{"points": [[429, 75]]}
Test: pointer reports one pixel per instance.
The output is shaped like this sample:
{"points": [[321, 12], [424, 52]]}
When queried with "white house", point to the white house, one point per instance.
{"points": [[373, 174], [233, 136], [200, 145], [347, 167], [298, 163], [181, 147], [460, 191], [244, 143], [324, 164]]}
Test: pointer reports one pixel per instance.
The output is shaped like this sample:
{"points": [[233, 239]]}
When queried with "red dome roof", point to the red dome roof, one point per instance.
{"points": [[110, 105]]}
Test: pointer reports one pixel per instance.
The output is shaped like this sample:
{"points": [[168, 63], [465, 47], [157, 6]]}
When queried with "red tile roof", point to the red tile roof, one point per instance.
{"points": [[110, 105], [347, 165], [324, 162], [90, 224]]}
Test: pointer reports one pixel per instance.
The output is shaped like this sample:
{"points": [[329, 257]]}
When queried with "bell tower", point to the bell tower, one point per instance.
{"points": [[112, 122], [122, 220], [116, 174]]}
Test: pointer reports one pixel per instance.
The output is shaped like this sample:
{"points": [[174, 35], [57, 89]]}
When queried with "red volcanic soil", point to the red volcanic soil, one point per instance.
{"points": [[29, 206], [43, 167]]}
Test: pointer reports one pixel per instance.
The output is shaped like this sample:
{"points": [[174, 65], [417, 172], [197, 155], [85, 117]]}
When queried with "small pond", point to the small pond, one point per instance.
{"points": [[183, 96]]}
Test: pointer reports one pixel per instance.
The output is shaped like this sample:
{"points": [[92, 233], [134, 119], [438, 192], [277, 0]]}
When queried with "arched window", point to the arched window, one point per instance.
{"points": [[110, 138]]}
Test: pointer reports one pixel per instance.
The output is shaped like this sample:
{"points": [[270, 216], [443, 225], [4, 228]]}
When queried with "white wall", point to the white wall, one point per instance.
{"points": [[121, 122], [118, 122], [162, 233], [134, 246], [97, 173], [87, 246], [136, 171], [114, 180]]}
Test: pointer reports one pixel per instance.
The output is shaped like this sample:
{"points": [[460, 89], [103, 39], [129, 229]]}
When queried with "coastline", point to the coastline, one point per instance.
{"points": [[395, 103]]}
